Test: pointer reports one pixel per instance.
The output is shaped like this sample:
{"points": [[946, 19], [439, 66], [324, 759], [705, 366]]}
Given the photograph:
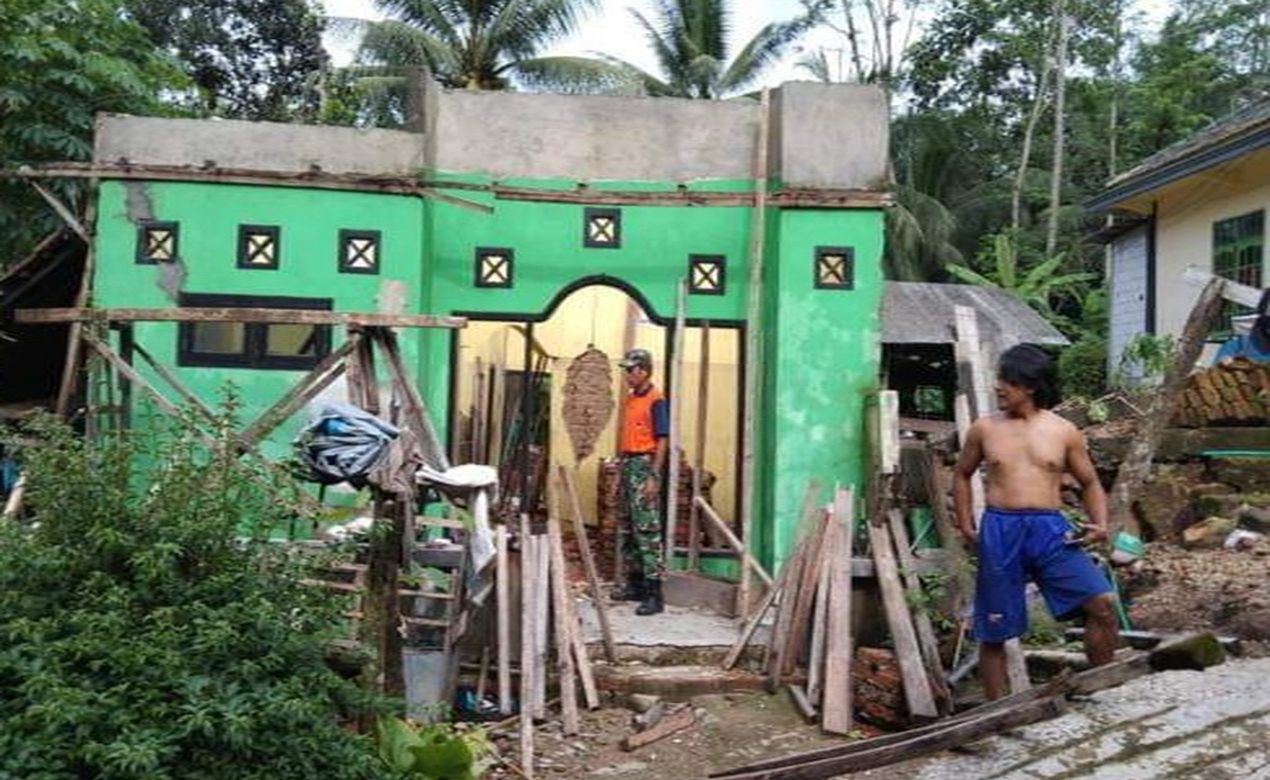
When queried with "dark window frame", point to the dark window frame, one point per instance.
{"points": [[255, 334], [342, 260], [141, 255], [848, 252], [275, 231], [478, 270], [720, 262], [591, 212], [1240, 235]]}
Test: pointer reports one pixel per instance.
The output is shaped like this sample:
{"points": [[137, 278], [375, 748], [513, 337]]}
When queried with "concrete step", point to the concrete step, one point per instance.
{"points": [[677, 683]]}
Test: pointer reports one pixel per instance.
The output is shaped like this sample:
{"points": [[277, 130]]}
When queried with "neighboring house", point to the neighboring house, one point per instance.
{"points": [[499, 208], [1200, 202]]}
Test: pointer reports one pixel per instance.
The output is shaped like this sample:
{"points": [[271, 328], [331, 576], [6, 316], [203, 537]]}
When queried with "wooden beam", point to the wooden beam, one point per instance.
{"points": [[1136, 466], [235, 314], [563, 616], [1233, 291], [62, 211], [820, 617], [917, 690], [415, 410], [676, 423], [70, 366], [927, 642], [699, 463], [754, 339], [176, 384], [588, 564], [528, 595], [836, 708], [323, 374], [748, 561], [503, 608]]}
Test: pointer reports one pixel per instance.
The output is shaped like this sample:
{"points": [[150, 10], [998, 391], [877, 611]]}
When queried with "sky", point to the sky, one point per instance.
{"points": [[611, 30]]}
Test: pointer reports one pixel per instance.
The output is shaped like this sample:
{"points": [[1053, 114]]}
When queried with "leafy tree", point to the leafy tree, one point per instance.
{"points": [[142, 637], [690, 39], [246, 59], [60, 63], [1041, 287]]}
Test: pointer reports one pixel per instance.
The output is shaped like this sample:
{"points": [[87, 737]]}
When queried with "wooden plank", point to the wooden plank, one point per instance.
{"points": [[560, 598], [62, 211], [671, 724], [699, 464], [751, 625], [799, 627], [927, 642], [837, 705], [779, 642], [413, 406], [753, 338], [888, 413], [503, 607], [917, 691], [736, 544], [949, 735], [590, 692], [676, 424], [234, 314], [175, 383], [588, 564], [528, 595], [1233, 291], [542, 622], [323, 374], [820, 617]]}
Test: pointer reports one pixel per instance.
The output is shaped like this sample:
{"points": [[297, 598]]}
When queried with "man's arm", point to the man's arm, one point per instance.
{"points": [[967, 464], [661, 429], [1092, 494]]}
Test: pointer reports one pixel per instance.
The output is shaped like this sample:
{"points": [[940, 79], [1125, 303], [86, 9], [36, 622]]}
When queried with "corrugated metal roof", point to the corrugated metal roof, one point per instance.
{"points": [[923, 313]]}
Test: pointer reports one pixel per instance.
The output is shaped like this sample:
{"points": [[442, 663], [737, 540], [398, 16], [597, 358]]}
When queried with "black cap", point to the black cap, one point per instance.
{"points": [[637, 357]]}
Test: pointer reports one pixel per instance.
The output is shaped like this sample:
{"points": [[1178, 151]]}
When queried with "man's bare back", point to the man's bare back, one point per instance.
{"points": [[1025, 458]]}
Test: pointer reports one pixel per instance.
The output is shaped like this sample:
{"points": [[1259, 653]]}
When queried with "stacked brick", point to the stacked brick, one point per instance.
{"points": [[1236, 393]]}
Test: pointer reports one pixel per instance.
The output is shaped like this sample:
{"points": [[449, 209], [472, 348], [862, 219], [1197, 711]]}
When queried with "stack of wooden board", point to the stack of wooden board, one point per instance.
{"points": [[1234, 393]]}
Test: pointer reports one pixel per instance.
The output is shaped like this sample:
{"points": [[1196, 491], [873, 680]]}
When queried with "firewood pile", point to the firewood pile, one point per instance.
{"points": [[1234, 393]]}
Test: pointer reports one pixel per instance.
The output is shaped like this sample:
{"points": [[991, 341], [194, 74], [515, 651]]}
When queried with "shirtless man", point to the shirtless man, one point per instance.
{"points": [[1022, 535]]}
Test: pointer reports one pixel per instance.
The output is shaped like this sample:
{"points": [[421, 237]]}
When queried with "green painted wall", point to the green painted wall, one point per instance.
{"points": [[209, 216], [822, 359]]}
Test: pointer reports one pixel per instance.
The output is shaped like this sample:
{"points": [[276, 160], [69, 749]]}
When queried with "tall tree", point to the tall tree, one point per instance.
{"points": [[691, 40], [877, 58], [246, 59], [60, 63], [1060, 124]]}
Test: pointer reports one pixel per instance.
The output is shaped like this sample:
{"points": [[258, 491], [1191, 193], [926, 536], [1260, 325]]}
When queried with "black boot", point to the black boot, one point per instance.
{"points": [[634, 590], [652, 603]]}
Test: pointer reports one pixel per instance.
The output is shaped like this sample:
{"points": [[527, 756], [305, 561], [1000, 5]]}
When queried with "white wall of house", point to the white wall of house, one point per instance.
{"points": [[1185, 237], [1127, 293]]}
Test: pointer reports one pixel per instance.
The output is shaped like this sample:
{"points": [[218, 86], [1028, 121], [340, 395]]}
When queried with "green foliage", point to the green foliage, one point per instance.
{"points": [[60, 63], [690, 41], [1145, 359], [435, 752], [141, 636], [246, 60], [1082, 368], [1042, 287]]}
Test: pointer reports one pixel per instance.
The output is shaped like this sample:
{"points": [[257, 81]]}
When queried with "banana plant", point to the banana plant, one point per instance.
{"points": [[433, 752], [1037, 287]]}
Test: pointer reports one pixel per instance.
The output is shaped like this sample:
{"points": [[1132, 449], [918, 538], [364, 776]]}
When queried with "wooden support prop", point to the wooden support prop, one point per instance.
{"points": [[1136, 466], [588, 563], [699, 463], [590, 692], [754, 340], [917, 691], [235, 314], [802, 703], [560, 598], [323, 374], [74, 346], [736, 544], [542, 624], [779, 640], [751, 625], [961, 581], [820, 617], [415, 410], [836, 700], [801, 624], [671, 724], [381, 606], [1233, 291], [629, 328], [174, 383], [131, 374], [528, 594], [947, 735], [927, 642], [676, 423], [62, 211], [503, 574]]}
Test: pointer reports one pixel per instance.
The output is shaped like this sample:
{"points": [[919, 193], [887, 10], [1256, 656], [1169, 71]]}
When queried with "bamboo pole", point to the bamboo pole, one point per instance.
{"points": [[676, 424], [699, 465], [754, 342]]}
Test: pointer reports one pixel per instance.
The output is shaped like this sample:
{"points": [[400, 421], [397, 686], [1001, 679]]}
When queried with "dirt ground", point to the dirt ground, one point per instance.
{"points": [[731, 730], [1225, 591]]}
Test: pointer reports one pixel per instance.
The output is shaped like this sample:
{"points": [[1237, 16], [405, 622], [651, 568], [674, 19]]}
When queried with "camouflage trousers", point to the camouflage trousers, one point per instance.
{"points": [[642, 548]]}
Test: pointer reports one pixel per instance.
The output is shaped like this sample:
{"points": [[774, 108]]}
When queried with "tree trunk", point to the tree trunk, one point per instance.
{"points": [[1060, 91], [1016, 196]]}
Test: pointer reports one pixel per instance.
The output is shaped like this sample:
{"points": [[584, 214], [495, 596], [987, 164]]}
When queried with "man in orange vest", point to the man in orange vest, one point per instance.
{"points": [[642, 451]]}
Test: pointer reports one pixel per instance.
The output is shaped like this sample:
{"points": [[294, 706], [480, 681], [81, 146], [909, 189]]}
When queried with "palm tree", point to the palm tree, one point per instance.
{"points": [[480, 44], [690, 41]]}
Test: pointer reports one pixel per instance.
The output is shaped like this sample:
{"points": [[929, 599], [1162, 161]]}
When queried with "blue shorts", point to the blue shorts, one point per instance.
{"points": [[1017, 545]]}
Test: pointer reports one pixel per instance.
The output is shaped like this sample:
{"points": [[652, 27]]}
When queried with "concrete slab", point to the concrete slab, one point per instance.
{"points": [[676, 627]]}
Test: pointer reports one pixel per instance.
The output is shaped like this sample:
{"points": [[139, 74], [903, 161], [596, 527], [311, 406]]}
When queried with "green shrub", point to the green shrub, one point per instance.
{"points": [[1082, 368], [141, 636]]}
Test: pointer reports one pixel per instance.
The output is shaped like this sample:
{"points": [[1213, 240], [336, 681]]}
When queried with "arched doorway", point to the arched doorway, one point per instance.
{"points": [[507, 391]]}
